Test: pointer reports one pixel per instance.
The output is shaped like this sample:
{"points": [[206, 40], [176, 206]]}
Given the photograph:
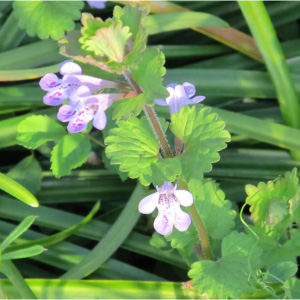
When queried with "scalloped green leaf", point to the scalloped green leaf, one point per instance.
{"points": [[204, 135], [28, 173], [229, 276], [215, 213], [275, 205], [70, 153], [134, 147], [47, 18], [36, 130], [275, 252], [149, 74]]}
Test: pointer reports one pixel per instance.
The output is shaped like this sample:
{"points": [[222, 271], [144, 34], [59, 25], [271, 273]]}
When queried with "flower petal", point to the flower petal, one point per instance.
{"points": [[167, 187], [93, 83], [184, 197], [65, 113], [171, 86], [162, 224], [77, 125], [97, 4], [69, 67], [100, 119], [56, 96], [189, 88], [106, 100], [195, 100], [161, 102], [182, 220], [148, 204], [49, 81]]}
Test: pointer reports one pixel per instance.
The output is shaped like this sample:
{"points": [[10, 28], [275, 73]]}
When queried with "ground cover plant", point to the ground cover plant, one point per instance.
{"points": [[149, 150]]}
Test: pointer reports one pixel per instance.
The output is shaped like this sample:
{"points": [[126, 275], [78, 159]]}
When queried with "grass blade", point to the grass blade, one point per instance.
{"points": [[263, 31], [19, 286], [15, 189], [18, 231], [60, 236], [23, 253], [112, 240]]}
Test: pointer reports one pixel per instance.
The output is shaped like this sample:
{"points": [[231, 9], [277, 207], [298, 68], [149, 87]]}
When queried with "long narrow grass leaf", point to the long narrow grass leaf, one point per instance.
{"points": [[15, 189]]}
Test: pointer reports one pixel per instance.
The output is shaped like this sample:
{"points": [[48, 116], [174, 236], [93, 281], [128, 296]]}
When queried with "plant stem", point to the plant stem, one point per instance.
{"points": [[152, 118], [95, 140], [203, 237], [202, 234]]}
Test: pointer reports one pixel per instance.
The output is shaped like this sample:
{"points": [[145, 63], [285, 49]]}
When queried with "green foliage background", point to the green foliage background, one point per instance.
{"points": [[241, 84]]}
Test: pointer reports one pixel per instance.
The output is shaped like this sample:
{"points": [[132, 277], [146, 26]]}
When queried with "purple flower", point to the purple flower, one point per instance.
{"points": [[168, 200], [97, 4], [84, 107], [61, 89], [179, 96]]}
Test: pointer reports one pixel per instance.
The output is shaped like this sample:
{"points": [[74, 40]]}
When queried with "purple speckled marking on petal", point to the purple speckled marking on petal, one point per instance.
{"points": [[65, 113], [55, 97], [49, 81]]}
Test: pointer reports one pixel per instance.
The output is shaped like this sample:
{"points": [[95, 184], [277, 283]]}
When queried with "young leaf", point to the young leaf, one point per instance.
{"points": [[134, 17], [274, 206], [149, 74], [228, 277], [47, 18], [135, 148], [18, 231], [204, 136], [71, 152], [13, 188], [23, 253], [110, 41], [28, 173], [36, 130]]}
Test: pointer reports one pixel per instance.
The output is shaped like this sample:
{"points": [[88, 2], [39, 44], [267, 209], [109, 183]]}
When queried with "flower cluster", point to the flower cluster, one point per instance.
{"points": [[78, 88], [168, 200]]}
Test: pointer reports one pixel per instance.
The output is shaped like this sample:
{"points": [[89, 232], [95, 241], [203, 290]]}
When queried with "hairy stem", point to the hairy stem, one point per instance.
{"points": [[203, 237], [202, 234], [152, 118]]}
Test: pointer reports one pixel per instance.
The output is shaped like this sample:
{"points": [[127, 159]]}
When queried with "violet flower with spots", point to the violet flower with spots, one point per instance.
{"points": [[97, 4], [179, 96], [61, 89], [84, 107], [168, 200]]}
